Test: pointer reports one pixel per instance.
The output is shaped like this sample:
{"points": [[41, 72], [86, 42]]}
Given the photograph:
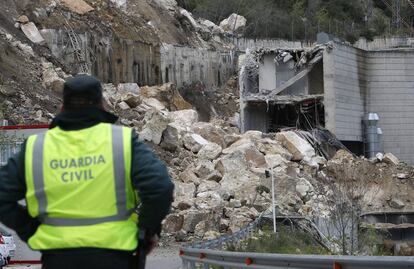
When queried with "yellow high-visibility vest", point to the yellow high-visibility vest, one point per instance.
{"points": [[79, 187]]}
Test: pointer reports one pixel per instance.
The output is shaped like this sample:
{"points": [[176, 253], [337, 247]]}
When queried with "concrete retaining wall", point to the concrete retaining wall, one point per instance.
{"points": [[111, 59], [115, 60], [184, 65]]}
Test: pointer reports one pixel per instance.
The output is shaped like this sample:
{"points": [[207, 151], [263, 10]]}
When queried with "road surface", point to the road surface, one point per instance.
{"points": [[161, 258]]}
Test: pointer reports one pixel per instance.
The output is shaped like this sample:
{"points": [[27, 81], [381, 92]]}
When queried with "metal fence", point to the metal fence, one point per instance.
{"points": [[9, 149], [206, 258]]}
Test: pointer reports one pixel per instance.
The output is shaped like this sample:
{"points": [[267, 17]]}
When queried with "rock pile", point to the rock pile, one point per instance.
{"points": [[219, 174]]}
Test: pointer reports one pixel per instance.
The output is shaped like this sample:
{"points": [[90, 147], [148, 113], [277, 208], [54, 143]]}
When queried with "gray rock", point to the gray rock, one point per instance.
{"points": [[173, 223], [204, 168], [214, 176], [153, 103], [209, 151], [391, 159], [208, 186], [191, 219], [304, 189], [396, 203], [194, 142], [298, 147], [156, 123], [124, 88], [188, 176], [124, 106], [233, 23], [184, 191], [210, 235]]}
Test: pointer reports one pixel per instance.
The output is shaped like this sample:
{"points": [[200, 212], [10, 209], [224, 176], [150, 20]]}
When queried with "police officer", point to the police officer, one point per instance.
{"points": [[81, 181]]}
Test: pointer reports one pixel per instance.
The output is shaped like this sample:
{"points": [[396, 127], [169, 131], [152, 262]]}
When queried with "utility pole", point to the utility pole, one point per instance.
{"points": [[270, 173]]}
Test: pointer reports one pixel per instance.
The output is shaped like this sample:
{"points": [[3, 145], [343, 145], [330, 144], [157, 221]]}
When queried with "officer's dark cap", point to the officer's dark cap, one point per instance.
{"points": [[82, 91]]}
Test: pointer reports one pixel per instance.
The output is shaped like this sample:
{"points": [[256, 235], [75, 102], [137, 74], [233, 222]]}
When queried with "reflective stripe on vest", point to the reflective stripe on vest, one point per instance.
{"points": [[119, 174]]}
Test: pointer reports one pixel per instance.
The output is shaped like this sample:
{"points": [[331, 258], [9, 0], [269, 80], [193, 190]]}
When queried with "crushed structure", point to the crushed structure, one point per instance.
{"points": [[332, 85]]}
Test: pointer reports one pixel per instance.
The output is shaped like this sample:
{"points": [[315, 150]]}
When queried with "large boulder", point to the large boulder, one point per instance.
{"points": [[274, 160], [206, 186], [189, 18], [51, 79], [269, 146], [184, 118], [171, 137], [178, 102], [304, 189], [204, 168], [132, 99], [32, 33], [125, 88], [192, 218], [297, 146], [209, 200], [194, 142], [184, 191], [234, 23], [391, 159], [209, 151], [153, 103], [173, 223], [156, 123], [210, 132]]}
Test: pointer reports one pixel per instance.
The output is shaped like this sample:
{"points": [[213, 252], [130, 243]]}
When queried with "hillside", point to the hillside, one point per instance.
{"points": [[302, 19]]}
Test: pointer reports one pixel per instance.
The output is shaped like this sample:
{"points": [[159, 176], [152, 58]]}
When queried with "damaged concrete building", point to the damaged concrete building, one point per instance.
{"points": [[332, 85]]}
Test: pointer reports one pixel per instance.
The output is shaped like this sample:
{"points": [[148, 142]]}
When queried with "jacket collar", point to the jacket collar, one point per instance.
{"points": [[79, 119]]}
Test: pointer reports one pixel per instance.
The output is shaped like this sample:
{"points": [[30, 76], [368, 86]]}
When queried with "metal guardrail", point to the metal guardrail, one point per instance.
{"points": [[228, 239], [205, 258]]}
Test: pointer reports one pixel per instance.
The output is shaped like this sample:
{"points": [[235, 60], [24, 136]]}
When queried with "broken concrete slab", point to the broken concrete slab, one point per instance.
{"points": [[391, 159], [78, 6], [32, 33], [298, 147]]}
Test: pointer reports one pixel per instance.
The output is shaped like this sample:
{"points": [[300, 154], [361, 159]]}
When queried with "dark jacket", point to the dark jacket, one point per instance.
{"points": [[149, 176]]}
